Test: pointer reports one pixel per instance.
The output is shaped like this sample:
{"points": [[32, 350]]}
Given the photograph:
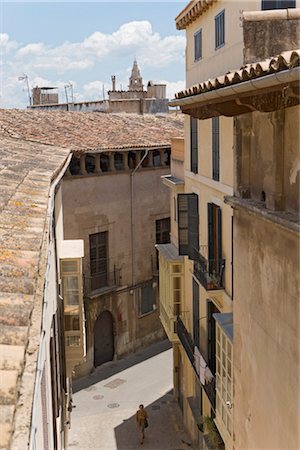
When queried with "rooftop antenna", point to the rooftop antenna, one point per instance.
{"points": [[103, 93], [69, 86], [24, 77]]}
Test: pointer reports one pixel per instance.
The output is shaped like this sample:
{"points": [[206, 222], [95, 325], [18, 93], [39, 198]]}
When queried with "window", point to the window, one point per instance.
{"points": [[162, 231], [188, 225], [147, 299], [215, 261], [216, 148], [220, 29], [196, 300], [277, 4], [198, 45], [175, 208], [194, 144], [98, 260], [224, 391]]}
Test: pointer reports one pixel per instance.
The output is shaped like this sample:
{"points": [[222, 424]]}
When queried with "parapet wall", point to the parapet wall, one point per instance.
{"points": [[268, 33]]}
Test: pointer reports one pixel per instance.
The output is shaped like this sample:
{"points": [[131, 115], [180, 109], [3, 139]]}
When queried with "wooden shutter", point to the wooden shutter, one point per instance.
{"points": [[219, 237], [182, 202], [210, 223], [216, 148], [196, 313], [194, 145], [193, 227], [188, 225]]}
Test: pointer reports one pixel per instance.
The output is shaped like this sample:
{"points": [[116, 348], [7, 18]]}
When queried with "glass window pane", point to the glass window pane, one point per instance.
{"points": [[73, 341], [71, 298], [71, 282], [72, 323]]}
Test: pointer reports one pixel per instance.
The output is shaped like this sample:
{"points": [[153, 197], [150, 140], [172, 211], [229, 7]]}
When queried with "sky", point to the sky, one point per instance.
{"points": [[84, 43]]}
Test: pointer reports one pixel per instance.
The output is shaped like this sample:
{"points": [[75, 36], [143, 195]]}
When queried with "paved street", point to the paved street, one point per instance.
{"points": [[106, 402]]}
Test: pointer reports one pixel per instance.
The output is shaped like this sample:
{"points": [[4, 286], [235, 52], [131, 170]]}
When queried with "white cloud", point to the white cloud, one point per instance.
{"points": [[173, 87], [72, 58]]}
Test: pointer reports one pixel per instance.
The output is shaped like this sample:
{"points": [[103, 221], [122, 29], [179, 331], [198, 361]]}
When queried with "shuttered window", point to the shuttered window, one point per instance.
{"points": [[98, 260], [220, 29], [188, 225], [196, 300], [162, 228], [194, 144], [278, 4], [198, 45], [216, 148], [214, 214]]}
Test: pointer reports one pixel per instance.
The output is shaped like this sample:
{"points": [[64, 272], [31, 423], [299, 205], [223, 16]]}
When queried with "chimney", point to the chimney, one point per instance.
{"points": [[113, 79]]}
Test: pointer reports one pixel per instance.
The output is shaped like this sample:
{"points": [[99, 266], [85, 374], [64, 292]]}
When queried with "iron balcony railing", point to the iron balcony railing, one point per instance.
{"points": [[186, 340], [188, 344], [209, 272], [210, 390], [100, 283]]}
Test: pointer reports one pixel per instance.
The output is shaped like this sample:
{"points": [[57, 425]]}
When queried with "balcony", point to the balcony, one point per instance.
{"points": [[209, 272], [102, 283], [169, 323], [185, 340], [210, 390]]}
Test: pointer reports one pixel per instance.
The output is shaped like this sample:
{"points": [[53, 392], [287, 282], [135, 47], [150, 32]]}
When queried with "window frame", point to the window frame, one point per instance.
{"points": [[142, 313], [277, 4], [162, 226], [194, 149], [219, 31], [215, 147], [196, 35]]}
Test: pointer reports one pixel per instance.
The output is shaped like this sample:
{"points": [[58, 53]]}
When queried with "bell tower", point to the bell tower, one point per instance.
{"points": [[135, 80]]}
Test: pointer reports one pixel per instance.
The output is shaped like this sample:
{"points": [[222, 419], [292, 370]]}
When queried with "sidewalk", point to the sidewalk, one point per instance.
{"points": [[106, 402]]}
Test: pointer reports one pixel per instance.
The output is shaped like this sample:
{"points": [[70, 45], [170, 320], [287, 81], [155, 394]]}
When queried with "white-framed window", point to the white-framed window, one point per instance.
{"points": [[224, 388]]}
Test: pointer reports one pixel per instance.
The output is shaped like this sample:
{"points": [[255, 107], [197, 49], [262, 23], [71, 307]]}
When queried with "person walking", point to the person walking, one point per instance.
{"points": [[142, 421]]}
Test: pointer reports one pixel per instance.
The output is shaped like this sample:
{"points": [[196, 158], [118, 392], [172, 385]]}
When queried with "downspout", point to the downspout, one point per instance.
{"points": [[133, 220]]}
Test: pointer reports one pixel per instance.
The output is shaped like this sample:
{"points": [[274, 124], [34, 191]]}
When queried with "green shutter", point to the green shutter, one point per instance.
{"points": [[210, 231], [193, 227], [182, 203]]}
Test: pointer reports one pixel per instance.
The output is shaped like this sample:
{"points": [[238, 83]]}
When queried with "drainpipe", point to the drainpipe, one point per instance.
{"points": [[133, 220], [134, 333]]}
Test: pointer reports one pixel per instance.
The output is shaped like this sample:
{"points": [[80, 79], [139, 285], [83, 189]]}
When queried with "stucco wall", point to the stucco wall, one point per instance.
{"points": [[266, 307], [230, 56]]}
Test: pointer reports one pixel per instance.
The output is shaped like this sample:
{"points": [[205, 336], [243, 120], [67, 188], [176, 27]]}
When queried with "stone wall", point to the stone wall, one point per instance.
{"points": [[268, 33]]}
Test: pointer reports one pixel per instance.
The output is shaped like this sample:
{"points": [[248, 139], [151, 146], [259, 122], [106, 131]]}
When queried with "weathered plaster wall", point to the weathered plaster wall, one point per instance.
{"points": [[259, 167], [266, 307], [269, 33]]}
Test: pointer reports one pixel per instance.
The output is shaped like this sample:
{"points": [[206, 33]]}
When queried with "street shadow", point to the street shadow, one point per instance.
{"points": [[111, 368], [165, 431]]}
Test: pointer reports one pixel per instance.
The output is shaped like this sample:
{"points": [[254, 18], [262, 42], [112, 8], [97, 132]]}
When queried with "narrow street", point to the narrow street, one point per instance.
{"points": [[106, 402]]}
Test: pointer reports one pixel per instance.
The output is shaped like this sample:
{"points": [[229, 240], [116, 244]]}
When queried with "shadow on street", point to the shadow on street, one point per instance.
{"points": [[113, 367], [165, 431]]}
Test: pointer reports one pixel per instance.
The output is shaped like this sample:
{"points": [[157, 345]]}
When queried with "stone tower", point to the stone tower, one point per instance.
{"points": [[135, 80]]}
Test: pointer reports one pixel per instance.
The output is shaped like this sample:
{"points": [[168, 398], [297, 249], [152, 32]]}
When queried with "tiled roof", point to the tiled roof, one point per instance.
{"points": [[82, 131], [26, 171], [191, 12], [284, 61]]}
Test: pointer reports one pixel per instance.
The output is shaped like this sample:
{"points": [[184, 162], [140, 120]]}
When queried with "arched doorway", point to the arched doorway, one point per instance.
{"points": [[103, 339]]}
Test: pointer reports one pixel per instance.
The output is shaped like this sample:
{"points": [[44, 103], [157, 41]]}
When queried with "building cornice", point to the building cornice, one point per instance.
{"points": [[191, 12]]}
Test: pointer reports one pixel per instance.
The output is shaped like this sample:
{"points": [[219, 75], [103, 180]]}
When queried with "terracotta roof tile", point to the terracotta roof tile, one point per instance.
{"points": [[284, 61], [81, 131], [26, 172]]}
